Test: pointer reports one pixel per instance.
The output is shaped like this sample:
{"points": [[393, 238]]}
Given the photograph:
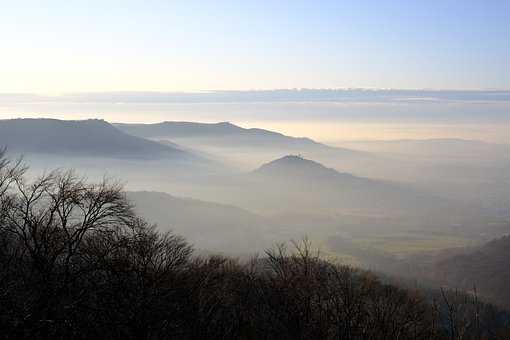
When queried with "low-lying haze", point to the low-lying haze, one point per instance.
{"points": [[326, 115]]}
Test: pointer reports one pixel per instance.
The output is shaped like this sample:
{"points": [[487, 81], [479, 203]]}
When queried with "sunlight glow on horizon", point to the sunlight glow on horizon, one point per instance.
{"points": [[60, 49], [188, 46]]}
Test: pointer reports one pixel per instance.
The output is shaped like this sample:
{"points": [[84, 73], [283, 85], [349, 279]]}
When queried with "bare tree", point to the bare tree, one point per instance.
{"points": [[77, 263], [48, 223]]}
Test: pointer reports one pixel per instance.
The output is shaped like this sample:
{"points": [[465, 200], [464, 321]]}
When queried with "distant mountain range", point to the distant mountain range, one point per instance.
{"points": [[223, 134], [443, 149], [92, 137], [245, 149]]}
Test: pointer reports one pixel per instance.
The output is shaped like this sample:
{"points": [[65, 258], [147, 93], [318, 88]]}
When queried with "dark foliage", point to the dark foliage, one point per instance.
{"points": [[486, 267], [77, 263]]}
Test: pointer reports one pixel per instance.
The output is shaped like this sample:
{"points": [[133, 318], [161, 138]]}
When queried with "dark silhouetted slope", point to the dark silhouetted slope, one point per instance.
{"points": [[307, 184], [182, 129], [79, 138], [486, 268], [223, 134], [297, 166], [208, 225]]}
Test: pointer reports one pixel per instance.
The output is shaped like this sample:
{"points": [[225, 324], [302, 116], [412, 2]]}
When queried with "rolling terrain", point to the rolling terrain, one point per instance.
{"points": [[91, 137], [245, 148], [484, 268], [208, 225]]}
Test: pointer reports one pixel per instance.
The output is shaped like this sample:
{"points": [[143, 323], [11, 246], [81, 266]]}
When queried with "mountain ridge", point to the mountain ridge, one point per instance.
{"points": [[91, 137], [253, 136]]}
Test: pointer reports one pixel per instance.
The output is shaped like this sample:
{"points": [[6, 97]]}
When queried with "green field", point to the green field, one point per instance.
{"points": [[406, 244]]}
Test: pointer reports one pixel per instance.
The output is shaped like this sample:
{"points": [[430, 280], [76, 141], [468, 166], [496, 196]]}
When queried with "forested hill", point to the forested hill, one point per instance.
{"points": [[486, 268], [91, 137], [76, 262]]}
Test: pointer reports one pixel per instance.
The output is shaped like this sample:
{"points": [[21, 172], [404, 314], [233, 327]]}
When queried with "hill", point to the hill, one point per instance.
{"points": [[485, 267], [227, 135], [87, 267], [223, 132], [91, 137], [311, 185], [208, 225], [295, 166], [246, 148]]}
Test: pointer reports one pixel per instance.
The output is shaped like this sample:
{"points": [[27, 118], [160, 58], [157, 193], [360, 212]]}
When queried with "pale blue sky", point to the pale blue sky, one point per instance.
{"points": [[75, 46]]}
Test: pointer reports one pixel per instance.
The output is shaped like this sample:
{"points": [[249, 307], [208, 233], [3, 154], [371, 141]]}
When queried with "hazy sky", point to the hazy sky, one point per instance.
{"points": [[74, 46], [328, 116]]}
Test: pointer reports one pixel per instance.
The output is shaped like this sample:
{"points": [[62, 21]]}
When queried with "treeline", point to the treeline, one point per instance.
{"points": [[77, 263]]}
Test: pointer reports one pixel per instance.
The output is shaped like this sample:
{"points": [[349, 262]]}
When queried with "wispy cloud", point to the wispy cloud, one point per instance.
{"points": [[283, 95]]}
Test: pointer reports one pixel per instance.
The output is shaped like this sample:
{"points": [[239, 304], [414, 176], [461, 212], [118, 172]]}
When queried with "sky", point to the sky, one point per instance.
{"points": [[326, 116], [147, 61], [54, 47]]}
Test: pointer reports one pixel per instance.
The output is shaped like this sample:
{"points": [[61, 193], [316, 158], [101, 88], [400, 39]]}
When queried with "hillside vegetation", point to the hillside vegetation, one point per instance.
{"points": [[485, 268], [77, 263], [92, 137]]}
